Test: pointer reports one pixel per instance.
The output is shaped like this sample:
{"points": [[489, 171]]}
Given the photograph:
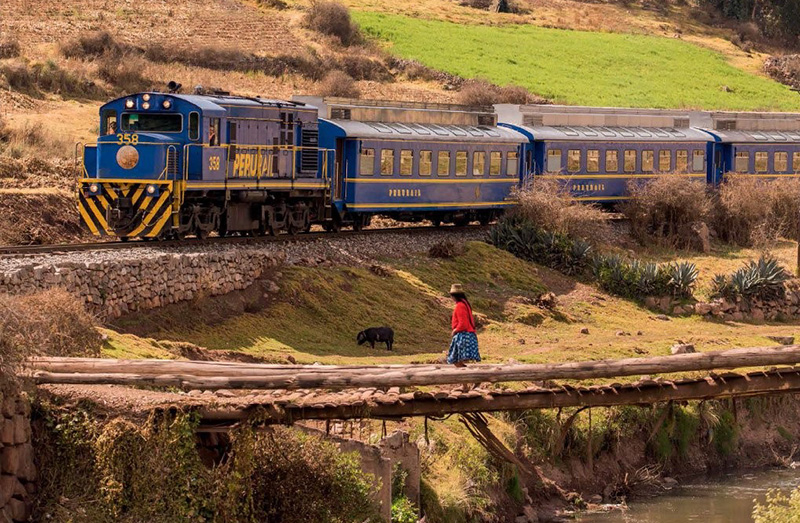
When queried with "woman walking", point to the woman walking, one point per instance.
{"points": [[464, 346]]}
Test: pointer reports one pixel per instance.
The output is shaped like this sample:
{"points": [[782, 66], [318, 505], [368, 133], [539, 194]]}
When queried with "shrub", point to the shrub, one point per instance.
{"points": [[363, 67], [9, 49], [666, 210], [446, 249], [480, 92], [763, 279], [332, 18], [547, 206], [48, 77], [126, 76], [778, 507], [634, 279], [274, 4], [219, 58], [340, 84], [93, 45]]}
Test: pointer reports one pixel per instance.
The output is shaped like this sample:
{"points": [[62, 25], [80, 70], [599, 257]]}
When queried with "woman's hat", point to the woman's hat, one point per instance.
{"points": [[456, 289]]}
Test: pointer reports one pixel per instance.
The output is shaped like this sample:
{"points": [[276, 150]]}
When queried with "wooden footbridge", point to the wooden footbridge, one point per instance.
{"points": [[226, 393]]}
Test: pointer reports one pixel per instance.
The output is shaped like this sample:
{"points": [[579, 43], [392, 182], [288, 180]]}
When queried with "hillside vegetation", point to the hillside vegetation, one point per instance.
{"points": [[581, 67]]}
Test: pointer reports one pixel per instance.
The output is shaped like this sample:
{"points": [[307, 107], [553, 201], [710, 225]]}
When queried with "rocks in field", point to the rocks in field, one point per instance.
{"points": [[547, 300], [783, 340], [682, 348], [662, 317], [585, 330], [17, 469]]}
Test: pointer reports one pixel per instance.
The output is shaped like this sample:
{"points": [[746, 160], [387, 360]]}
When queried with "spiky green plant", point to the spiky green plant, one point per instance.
{"points": [[682, 278]]}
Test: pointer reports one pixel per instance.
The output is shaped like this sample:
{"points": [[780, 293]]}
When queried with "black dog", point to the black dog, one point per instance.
{"points": [[376, 334]]}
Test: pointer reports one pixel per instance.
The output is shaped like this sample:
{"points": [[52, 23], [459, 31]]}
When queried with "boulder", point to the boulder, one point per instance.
{"points": [[682, 348], [783, 340], [585, 330], [702, 308]]}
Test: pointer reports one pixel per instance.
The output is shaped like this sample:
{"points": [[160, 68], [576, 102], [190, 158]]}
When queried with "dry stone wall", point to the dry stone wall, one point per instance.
{"points": [[17, 469]]}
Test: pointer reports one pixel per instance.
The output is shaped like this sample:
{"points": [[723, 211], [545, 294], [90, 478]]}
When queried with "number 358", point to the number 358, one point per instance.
{"points": [[127, 138], [213, 163]]}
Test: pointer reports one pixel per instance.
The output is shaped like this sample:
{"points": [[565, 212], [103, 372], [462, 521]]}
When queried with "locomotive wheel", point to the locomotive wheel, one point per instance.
{"points": [[436, 222], [202, 235]]}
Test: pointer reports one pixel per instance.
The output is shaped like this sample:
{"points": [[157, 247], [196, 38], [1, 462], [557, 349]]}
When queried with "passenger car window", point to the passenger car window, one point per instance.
{"points": [[630, 161], [664, 161], [366, 164], [425, 160], [512, 163], [387, 162], [698, 161], [762, 161], [478, 163], [461, 163], [796, 162], [593, 161], [406, 162], [573, 160], [443, 163], [612, 161], [647, 161], [742, 163], [781, 162], [495, 163], [554, 161], [682, 161]]}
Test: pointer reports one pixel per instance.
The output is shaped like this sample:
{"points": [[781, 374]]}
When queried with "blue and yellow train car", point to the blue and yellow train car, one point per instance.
{"points": [[762, 154], [169, 164]]}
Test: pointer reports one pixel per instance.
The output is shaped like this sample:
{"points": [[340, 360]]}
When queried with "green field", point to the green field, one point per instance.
{"points": [[582, 68]]}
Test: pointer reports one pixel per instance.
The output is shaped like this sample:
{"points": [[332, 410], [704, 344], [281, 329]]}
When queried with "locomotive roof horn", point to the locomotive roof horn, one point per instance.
{"points": [[174, 87]]}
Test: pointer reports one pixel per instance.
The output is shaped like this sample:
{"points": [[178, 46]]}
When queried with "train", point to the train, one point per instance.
{"points": [[167, 165]]}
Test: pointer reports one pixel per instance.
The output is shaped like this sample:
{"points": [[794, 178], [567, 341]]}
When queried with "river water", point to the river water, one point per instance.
{"points": [[722, 499]]}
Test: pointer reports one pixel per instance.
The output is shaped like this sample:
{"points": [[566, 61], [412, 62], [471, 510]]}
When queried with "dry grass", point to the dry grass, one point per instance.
{"points": [[666, 211], [28, 140], [93, 45], [338, 83], [48, 77], [753, 212], [547, 206], [481, 92], [124, 75], [51, 322], [9, 49], [333, 19]]}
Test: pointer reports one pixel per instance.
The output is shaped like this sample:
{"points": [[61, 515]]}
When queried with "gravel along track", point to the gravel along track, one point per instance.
{"points": [[345, 248]]}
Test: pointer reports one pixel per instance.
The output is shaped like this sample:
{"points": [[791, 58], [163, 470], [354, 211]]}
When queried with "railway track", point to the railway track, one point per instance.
{"points": [[28, 250]]}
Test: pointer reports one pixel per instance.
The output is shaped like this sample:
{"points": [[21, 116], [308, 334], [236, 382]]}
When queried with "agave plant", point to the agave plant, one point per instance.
{"points": [[648, 282], [720, 286], [682, 277]]}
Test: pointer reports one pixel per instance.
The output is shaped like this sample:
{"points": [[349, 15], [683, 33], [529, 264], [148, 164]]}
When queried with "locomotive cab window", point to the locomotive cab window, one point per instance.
{"points": [[630, 161], [781, 162], [387, 162], [612, 161], [698, 161], [762, 161], [593, 161], [574, 160], [366, 162], [512, 163], [648, 158], [478, 163], [461, 163], [109, 122], [406, 162], [554, 161], [194, 126], [443, 163], [664, 161], [152, 122], [495, 163], [213, 132], [742, 162], [682, 161], [425, 161]]}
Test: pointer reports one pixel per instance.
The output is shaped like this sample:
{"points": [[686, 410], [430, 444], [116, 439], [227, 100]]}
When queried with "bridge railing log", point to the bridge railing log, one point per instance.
{"points": [[216, 375]]}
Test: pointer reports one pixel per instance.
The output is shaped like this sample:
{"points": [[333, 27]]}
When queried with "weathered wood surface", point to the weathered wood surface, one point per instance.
{"points": [[216, 375]]}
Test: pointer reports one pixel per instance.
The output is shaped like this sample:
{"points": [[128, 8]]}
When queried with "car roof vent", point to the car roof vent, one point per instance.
{"points": [[341, 113]]}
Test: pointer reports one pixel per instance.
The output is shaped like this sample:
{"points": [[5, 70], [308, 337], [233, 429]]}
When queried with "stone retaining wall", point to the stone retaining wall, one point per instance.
{"points": [[17, 469], [114, 287]]}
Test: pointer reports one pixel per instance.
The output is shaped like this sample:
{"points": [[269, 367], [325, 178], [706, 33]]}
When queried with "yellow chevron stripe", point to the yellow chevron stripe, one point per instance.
{"points": [[137, 194], [103, 202], [150, 215], [88, 220], [159, 226], [112, 193], [100, 217]]}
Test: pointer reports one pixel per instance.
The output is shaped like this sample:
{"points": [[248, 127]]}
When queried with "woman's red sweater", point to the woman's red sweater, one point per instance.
{"points": [[462, 318]]}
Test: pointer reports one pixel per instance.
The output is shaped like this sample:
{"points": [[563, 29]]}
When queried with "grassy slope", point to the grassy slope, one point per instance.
{"points": [[576, 67], [320, 310]]}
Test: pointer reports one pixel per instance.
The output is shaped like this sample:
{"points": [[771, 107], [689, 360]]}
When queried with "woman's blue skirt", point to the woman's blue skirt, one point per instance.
{"points": [[464, 347]]}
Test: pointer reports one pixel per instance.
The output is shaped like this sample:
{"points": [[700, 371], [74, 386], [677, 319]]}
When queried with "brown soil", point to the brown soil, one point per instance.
{"points": [[32, 216]]}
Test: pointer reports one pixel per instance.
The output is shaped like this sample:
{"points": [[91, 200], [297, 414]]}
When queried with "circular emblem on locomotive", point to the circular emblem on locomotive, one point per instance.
{"points": [[127, 157]]}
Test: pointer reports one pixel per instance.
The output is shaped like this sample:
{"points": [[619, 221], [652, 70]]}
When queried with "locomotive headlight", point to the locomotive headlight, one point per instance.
{"points": [[94, 188], [146, 97], [167, 104], [129, 103], [146, 105], [151, 189]]}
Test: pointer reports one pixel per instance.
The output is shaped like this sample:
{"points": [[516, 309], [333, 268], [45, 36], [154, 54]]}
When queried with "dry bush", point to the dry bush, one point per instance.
{"points": [[31, 143], [481, 92], [9, 49], [48, 77], [752, 211], [338, 83], [361, 66], [93, 45], [219, 58], [126, 76], [547, 206], [446, 249], [273, 4], [667, 211], [51, 322], [332, 18]]}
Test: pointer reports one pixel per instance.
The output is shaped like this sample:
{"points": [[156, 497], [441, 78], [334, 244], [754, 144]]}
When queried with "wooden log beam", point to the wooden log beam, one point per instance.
{"points": [[761, 385], [210, 375]]}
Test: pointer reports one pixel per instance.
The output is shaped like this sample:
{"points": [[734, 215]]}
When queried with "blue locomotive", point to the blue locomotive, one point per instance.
{"points": [[167, 165]]}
